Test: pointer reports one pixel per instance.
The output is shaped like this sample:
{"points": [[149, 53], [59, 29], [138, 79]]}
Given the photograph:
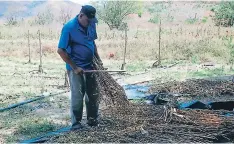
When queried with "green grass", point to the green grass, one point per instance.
{"points": [[31, 128], [136, 66], [205, 73], [194, 59], [155, 19], [209, 72], [29, 94], [204, 19], [11, 139], [11, 117], [24, 123], [167, 62], [137, 101], [162, 76], [35, 127], [191, 20], [29, 121]]}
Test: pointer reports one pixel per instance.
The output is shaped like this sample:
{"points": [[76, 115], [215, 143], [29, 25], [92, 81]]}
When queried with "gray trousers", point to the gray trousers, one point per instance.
{"points": [[83, 85]]}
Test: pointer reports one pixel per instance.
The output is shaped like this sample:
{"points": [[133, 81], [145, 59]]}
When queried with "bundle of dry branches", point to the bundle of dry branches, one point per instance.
{"points": [[110, 91]]}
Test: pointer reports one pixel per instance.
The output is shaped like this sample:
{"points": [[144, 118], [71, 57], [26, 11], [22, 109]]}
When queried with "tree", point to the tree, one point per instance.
{"points": [[224, 13], [113, 13], [140, 8], [12, 15], [44, 18], [65, 15], [161, 11], [11, 20]]}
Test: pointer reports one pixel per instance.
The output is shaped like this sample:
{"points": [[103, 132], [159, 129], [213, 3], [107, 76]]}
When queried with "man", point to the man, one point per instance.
{"points": [[77, 48]]}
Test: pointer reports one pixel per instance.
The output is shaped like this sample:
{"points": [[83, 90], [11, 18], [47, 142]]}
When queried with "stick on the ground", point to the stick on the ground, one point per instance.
{"points": [[95, 71]]}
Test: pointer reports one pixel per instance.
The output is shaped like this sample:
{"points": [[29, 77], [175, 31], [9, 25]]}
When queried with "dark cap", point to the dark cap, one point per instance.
{"points": [[89, 11]]}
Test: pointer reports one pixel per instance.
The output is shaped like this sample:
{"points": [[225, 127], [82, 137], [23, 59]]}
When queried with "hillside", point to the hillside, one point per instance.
{"points": [[178, 12], [31, 8]]}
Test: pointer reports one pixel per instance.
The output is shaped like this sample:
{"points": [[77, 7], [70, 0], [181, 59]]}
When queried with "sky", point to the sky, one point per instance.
{"points": [[81, 1]]}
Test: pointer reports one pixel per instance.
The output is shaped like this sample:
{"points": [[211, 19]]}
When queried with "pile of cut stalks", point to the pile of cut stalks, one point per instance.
{"points": [[125, 122]]}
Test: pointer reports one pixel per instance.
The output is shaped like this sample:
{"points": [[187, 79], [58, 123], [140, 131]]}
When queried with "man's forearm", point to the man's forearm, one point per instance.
{"points": [[67, 59]]}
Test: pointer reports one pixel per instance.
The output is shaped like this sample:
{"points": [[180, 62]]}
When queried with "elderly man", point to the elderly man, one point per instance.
{"points": [[77, 48]]}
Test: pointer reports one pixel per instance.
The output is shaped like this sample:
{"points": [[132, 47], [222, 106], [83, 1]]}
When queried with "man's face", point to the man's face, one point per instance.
{"points": [[84, 20]]}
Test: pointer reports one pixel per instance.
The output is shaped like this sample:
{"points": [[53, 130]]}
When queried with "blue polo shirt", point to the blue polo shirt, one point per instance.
{"points": [[78, 44]]}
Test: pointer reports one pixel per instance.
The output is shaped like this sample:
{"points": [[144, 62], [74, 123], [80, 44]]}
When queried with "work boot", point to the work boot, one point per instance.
{"points": [[92, 122], [78, 126]]}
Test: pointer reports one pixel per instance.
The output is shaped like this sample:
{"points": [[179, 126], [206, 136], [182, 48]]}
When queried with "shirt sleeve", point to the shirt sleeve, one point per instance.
{"points": [[64, 39]]}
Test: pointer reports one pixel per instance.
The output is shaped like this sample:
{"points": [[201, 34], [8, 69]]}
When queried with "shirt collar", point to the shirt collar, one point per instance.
{"points": [[78, 24]]}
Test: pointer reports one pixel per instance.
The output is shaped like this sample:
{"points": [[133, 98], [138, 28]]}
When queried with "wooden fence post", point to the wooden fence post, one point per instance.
{"points": [[40, 66], [158, 62], [159, 44], [29, 49], [125, 47]]}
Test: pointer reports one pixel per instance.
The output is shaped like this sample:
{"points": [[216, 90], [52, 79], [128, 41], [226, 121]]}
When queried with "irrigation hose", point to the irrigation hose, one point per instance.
{"points": [[31, 100]]}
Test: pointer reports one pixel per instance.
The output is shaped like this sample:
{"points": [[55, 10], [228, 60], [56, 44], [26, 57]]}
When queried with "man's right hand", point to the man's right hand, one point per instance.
{"points": [[78, 70]]}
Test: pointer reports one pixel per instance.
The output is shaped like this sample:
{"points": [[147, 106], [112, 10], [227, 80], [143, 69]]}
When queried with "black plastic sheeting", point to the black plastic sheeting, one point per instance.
{"points": [[195, 104], [30, 100], [227, 105]]}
